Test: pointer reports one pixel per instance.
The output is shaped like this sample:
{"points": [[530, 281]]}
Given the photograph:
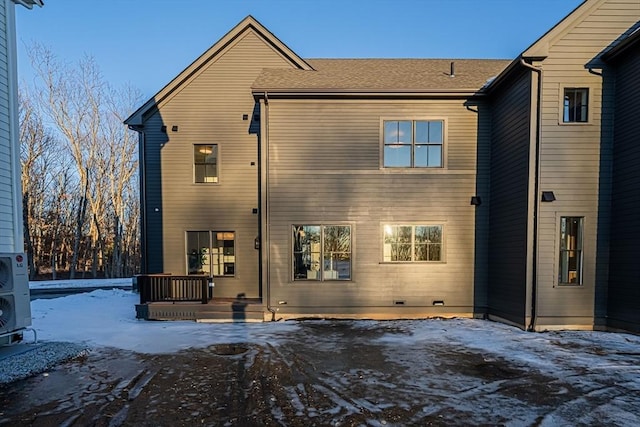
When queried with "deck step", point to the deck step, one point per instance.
{"points": [[218, 310]]}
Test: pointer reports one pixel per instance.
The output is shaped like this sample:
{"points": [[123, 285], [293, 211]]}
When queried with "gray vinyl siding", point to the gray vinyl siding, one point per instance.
{"points": [[209, 109], [7, 201], [509, 204], [575, 164], [325, 168], [624, 289]]}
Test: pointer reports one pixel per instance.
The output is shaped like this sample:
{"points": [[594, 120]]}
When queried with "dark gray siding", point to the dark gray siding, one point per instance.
{"points": [[151, 172], [508, 228], [483, 152], [325, 167], [624, 273]]}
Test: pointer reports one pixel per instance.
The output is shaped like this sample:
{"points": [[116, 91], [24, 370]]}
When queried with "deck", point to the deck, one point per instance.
{"points": [[215, 310], [168, 297]]}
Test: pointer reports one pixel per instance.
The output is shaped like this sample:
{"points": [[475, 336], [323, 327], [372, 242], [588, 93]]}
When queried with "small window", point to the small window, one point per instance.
{"points": [[211, 253], [321, 252], [205, 163], [570, 265], [413, 143], [412, 243], [576, 105]]}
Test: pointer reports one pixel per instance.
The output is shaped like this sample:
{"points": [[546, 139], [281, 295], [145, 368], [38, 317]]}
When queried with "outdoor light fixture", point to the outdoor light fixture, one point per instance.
{"points": [[163, 129], [476, 200], [174, 128], [548, 196]]}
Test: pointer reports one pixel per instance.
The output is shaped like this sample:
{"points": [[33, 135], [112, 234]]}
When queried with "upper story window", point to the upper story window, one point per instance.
{"points": [[576, 105], [205, 163], [413, 143], [412, 243]]}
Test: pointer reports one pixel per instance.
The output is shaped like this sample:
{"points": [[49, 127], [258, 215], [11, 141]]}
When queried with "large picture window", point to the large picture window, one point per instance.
{"points": [[576, 105], [205, 163], [321, 252], [413, 143], [211, 253], [412, 243], [570, 265]]}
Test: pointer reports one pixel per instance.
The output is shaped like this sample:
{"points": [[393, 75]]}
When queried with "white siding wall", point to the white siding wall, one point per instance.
{"points": [[10, 195]]}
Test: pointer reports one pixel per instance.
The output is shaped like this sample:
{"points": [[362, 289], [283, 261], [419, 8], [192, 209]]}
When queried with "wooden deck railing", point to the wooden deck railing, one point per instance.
{"points": [[168, 288]]}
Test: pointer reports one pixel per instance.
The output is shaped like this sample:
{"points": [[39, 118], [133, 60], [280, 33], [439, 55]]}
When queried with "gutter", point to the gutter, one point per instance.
{"points": [[536, 203]]}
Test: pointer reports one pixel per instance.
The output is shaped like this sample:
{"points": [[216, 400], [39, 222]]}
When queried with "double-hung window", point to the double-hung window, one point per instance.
{"points": [[412, 243], [576, 105], [211, 253], [321, 252], [205, 163], [413, 143], [570, 264]]}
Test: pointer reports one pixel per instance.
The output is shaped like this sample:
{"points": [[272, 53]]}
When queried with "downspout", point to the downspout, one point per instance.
{"points": [[265, 231], [536, 203]]}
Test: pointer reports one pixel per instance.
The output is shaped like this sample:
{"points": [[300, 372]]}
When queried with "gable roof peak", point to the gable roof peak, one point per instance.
{"points": [[540, 48], [248, 23]]}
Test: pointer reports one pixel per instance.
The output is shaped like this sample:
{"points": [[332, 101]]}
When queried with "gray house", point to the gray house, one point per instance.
{"points": [[392, 188]]}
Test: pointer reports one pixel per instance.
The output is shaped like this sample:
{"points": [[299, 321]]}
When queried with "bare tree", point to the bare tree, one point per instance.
{"points": [[38, 156], [87, 114]]}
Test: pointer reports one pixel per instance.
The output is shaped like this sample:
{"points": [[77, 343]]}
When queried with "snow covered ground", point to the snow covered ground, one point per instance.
{"points": [[487, 371], [78, 283]]}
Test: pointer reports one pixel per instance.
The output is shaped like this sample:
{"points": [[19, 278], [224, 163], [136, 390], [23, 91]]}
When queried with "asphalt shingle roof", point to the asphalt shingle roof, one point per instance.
{"points": [[383, 75]]}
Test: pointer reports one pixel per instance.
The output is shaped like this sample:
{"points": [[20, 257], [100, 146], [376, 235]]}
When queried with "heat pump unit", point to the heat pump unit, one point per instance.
{"points": [[15, 302]]}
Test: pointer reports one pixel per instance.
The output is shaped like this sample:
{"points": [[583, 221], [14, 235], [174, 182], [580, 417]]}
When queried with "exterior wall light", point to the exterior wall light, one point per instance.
{"points": [[548, 196], [476, 200]]}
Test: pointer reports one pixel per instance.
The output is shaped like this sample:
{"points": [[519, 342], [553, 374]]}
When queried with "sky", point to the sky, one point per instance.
{"points": [[146, 43]]}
